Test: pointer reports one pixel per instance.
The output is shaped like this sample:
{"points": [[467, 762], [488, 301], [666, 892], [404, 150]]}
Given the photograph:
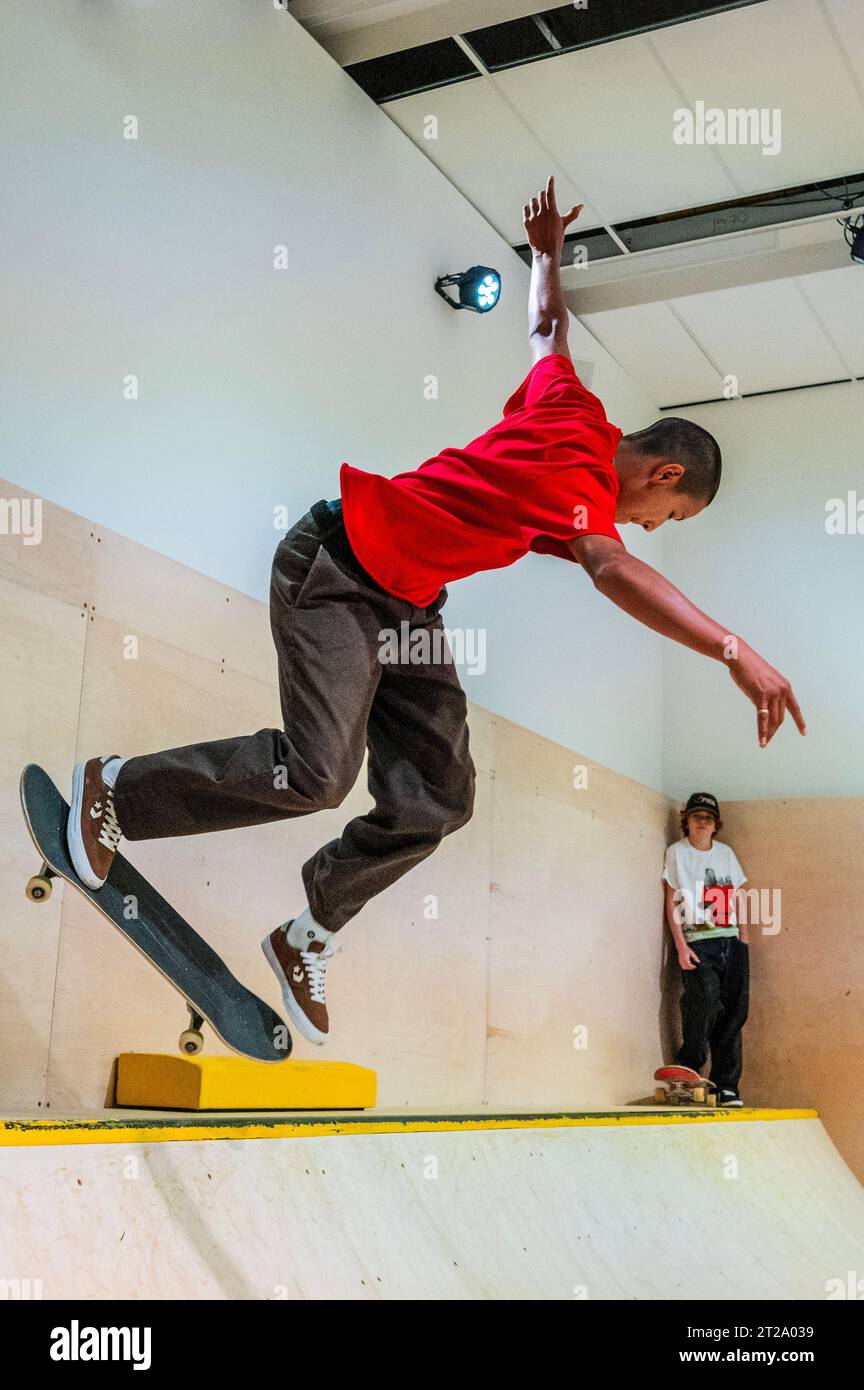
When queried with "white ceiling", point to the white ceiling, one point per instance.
{"points": [[603, 115], [601, 119], [771, 336], [354, 30]]}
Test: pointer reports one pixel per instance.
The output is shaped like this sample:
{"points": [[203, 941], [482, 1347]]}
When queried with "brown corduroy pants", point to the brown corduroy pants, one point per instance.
{"points": [[341, 691]]}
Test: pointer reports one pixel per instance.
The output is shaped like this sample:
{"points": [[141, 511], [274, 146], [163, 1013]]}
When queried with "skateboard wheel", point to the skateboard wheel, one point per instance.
{"points": [[38, 890], [191, 1042], [699, 1095], [712, 1101], [659, 1095]]}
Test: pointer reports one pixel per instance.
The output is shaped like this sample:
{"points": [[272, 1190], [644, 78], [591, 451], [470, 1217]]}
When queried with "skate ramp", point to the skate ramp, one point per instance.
{"points": [[625, 1206]]}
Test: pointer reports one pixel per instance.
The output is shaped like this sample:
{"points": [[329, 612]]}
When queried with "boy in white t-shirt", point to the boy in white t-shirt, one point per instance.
{"points": [[702, 877]]}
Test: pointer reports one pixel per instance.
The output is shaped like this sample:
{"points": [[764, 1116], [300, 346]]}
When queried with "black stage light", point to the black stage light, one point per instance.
{"points": [[479, 288], [853, 230]]}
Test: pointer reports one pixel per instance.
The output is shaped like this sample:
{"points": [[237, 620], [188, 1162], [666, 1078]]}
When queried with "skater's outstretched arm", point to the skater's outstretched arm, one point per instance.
{"points": [[650, 598], [548, 317]]}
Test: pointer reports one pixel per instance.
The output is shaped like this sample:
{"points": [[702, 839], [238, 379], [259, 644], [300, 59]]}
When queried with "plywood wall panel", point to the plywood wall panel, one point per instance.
{"points": [[42, 654], [409, 988], [575, 951], [144, 591], [151, 594], [481, 729], [60, 562], [543, 768], [163, 696], [804, 1043]]}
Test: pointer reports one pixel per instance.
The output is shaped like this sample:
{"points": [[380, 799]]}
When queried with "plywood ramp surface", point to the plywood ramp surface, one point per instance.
{"points": [[564, 1213]]}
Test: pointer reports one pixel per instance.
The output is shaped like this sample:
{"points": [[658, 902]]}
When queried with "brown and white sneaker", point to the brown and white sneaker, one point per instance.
{"points": [[93, 832], [301, 976]]}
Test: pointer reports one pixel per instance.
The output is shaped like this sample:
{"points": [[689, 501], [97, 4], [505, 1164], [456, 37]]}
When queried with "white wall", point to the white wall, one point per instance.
{"points": [[154, 257], [760, 561]]}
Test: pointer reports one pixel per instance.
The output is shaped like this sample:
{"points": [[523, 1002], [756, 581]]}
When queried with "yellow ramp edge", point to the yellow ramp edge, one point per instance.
{"points": [[163, 1081], [119, 1129]]}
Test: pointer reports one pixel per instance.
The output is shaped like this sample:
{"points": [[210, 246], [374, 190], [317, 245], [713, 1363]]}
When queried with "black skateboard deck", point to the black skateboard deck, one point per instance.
{"points": [[243, 1021]]}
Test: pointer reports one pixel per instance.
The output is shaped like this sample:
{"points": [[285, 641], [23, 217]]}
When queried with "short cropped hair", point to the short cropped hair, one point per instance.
{"points": [[682, 442]]}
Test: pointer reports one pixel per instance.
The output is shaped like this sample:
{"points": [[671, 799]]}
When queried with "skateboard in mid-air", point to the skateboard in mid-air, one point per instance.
{"points": [[682, 1086], [212, 994]]}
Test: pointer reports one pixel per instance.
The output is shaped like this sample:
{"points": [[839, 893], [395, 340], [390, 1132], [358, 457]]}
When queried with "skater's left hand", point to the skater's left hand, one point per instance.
{"points": [[687, 958], [544, 225]]}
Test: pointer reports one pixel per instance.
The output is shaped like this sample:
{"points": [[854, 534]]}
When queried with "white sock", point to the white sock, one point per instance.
{"points": [[110, 770], [305, 929]]}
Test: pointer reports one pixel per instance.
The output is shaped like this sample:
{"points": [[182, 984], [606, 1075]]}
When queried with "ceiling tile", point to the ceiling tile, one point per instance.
{"points": [[486, 151], [650, 344], [606, 113], [838, 298], [764, 334], [848, 19], [780, 54]]}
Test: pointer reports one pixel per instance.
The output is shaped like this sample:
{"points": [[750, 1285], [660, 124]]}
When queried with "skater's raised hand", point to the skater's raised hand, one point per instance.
{"points": [[544, 224]]}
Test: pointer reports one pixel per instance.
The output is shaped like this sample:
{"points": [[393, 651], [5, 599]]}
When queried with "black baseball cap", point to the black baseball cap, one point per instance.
{"points": [[703, 801]]}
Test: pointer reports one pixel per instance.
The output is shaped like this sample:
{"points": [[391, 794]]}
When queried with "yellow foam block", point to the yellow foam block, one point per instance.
{"points": [[166, 1082]]}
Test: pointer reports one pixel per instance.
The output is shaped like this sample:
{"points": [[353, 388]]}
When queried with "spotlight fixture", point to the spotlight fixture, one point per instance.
{"points": [[479, 288], [853, 231]]}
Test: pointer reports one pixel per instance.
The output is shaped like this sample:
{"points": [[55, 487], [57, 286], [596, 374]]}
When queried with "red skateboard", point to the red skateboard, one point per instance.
{"points": [[681, 1086]]}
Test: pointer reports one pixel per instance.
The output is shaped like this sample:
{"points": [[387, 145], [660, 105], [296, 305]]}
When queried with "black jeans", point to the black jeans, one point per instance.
{"points": [[338, 698], [714, 1009]]}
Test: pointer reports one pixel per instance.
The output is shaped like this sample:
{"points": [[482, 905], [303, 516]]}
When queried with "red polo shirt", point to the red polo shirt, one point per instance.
{"points": [[540, 477]]}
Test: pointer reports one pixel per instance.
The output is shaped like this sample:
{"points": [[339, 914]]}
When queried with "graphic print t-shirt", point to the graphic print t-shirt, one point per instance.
{"points": [[707, 880]]}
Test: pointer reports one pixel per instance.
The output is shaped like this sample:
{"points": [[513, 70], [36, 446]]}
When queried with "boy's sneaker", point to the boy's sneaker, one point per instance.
{"points": [[301, 977], [729, 1097], [93, 833]]}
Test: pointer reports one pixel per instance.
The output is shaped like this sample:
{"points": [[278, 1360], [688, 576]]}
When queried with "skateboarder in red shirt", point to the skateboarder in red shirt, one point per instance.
{"points": [[554, 476]]}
